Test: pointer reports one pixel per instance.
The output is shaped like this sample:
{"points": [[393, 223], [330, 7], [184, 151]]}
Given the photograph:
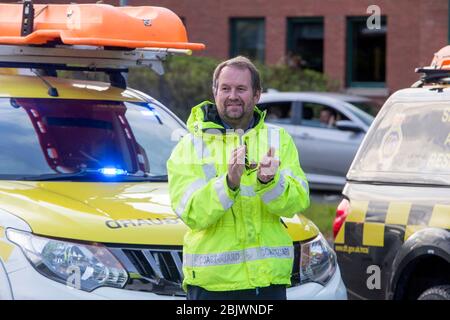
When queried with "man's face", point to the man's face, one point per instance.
{"points": [[234, 95], [325, 116]]}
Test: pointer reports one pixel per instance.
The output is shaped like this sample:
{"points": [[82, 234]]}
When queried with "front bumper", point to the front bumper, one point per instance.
{"points": [[28, 284], [19, 280]]}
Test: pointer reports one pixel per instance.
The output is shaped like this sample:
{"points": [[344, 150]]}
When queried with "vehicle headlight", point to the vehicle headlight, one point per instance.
{"points": [[317, 261], [83, 266]]}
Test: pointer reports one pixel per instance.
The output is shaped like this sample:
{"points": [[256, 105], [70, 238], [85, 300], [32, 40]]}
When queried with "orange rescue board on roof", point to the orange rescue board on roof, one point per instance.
{"points": [[96, 25], [441, 59]]}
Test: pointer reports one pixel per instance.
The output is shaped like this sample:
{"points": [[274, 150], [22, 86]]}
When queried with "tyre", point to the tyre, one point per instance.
{"points": [[436, 293]]}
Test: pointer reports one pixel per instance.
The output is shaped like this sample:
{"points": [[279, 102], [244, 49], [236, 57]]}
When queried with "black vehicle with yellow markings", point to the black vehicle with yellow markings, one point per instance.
{"points": [[392, 229]]}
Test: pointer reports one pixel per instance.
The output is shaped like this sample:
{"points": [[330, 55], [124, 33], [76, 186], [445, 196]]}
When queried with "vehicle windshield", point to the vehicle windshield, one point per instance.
{"points": [[55, 138], [409, 143], [363, 111], [366, 106]]}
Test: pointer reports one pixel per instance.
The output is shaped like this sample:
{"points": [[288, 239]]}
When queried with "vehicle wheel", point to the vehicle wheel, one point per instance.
{"points": [[436, 293]]}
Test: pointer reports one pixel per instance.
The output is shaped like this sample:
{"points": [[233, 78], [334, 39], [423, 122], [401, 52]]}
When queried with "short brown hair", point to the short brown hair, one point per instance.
{"points": [[241, 63]]}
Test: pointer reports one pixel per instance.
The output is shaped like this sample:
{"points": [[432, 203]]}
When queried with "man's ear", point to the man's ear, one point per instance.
{"points": [[214, 92], [256, 97]]}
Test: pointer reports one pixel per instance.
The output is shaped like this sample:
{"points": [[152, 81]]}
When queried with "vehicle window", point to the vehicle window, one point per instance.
{"points": [[51, 136], [366, 106], [360, 114], [320, 115], [277, 112], [410, 143]]}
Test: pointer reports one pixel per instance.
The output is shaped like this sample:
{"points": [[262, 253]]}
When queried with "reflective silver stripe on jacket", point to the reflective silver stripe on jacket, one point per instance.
{"points": [[276, 191], [247, 191], [220, 186], [234, 257], [280, 186], [209, 169], [199, 146], [273, 138], [187, 195], [288, 172]]}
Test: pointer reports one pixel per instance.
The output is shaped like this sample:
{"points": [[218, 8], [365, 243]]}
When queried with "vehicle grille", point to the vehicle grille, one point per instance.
{"points": [[153, 270], [159, 270]]}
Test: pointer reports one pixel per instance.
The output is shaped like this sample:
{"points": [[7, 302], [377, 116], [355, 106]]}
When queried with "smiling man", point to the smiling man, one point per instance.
{"points": [[231, 180]]}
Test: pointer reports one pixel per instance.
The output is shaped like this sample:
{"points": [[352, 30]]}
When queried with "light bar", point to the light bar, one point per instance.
{"points": [[112, 172]]}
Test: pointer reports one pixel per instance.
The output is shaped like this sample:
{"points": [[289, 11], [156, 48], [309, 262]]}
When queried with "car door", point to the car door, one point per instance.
{"points": [[324, 149]]}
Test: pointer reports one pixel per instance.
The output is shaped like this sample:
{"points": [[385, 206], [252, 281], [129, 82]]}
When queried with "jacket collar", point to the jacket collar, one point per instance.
{"points": [[205, 116]]}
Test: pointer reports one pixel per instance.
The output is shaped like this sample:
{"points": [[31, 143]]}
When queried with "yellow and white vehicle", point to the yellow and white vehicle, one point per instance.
{"points": [[84, 205]]}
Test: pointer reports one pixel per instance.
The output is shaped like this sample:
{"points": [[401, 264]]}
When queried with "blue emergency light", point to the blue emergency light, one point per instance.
{"points": [[111, 172]]}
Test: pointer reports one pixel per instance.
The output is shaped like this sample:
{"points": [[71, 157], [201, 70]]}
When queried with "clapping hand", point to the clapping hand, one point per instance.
{"points": [[236, 166], [268, 166]]}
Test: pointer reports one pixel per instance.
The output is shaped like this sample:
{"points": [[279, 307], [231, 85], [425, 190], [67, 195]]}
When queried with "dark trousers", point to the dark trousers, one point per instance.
{"points": [[273, 292]]}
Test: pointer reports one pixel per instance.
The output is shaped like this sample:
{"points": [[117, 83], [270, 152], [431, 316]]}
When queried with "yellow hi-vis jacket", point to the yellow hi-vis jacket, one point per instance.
{"points": [[236, 239]]}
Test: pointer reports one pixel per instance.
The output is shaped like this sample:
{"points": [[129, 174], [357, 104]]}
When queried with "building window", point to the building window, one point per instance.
{"points": [[366, 53], [248, 38], [305, 43]]}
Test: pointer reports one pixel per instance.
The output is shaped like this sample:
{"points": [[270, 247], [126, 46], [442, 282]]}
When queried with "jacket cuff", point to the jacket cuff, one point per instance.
{"points": [[265, 187], [230, 192]]}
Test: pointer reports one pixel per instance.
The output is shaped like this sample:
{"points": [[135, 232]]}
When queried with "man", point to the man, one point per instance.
{"points": [[327, 117], [231, 180]]}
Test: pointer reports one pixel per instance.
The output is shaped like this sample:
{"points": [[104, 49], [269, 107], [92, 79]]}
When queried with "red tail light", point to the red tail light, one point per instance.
{"points": [[341, 214]]}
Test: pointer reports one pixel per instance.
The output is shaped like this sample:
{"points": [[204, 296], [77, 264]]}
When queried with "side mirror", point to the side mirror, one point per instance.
{"points": [[346, 125]]}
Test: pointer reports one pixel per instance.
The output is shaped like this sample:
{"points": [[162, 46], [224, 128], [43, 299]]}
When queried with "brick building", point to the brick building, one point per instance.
{"points": [[329, 35]]}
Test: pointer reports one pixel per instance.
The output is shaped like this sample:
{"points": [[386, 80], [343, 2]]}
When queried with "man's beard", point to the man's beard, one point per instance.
{"points": [[235, 115]]}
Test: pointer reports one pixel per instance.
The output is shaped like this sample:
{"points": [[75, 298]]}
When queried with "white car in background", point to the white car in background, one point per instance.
{"points": [[326, 150]]}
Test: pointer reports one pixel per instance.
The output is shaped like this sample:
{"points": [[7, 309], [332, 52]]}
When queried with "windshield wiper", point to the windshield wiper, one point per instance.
{"points": [[96, 175]]}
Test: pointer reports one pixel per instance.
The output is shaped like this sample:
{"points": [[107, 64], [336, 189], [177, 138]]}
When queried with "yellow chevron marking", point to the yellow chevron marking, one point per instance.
{"points": [[373, 234], [440, 217], [398, 213], [358, 211]]}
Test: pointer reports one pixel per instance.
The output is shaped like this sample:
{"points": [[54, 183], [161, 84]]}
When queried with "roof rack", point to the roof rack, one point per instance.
{"points": [[94, 59], [84, 57], [439, 70], [431, 75]]}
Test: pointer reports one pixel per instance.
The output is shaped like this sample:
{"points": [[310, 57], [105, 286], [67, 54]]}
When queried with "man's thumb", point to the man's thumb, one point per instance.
{"points": [[271, 152]]}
